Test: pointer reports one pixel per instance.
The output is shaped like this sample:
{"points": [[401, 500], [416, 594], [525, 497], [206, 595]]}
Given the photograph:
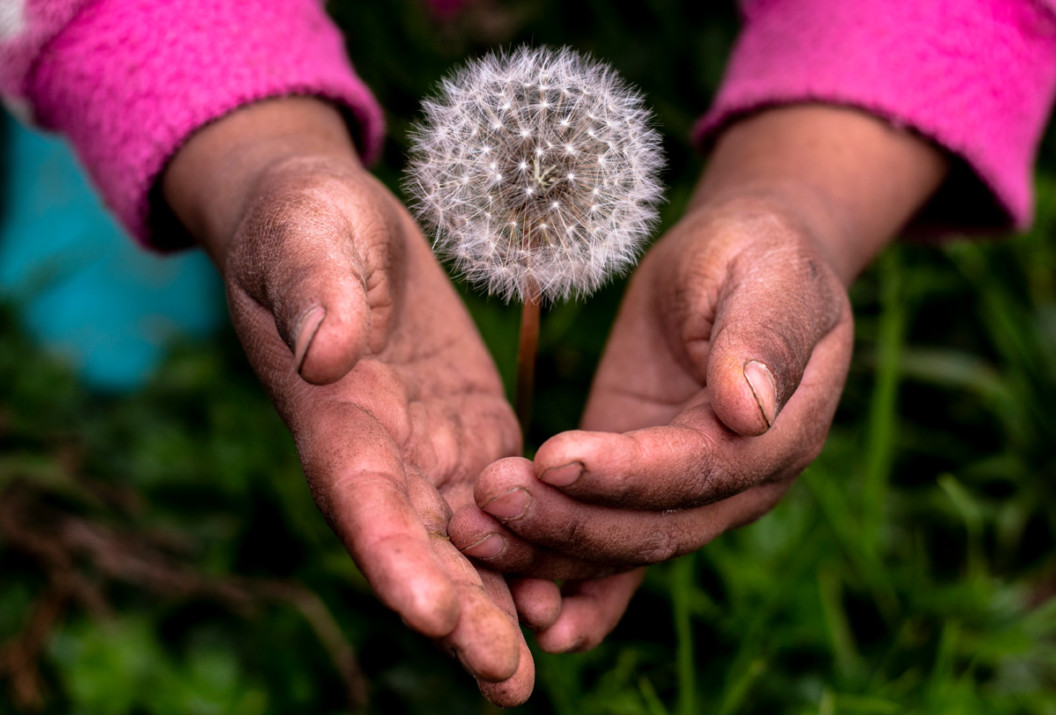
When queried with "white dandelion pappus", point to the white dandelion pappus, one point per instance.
{"points": [[537, 170]]}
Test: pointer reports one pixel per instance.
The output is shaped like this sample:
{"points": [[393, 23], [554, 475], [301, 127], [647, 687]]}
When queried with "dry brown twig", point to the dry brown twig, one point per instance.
{"points": [[80, 556]]}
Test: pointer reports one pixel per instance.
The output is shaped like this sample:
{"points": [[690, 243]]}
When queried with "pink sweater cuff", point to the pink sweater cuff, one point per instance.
{"points": [[128, 81], [976, 77]]}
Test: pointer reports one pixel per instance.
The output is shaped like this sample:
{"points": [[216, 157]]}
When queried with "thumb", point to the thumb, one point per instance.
{"points": [[769, 317], [305, 272], [325, 320]]}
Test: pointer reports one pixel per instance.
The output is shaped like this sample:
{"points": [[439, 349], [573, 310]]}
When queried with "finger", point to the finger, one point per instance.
{"points": [[486, 639], [589, 611], [617, 538], [538, 601], [358, 482], [504, 492], [773, 311], [526, 527], [488, 542], [300, 259], [696, 460], [516, 689]]}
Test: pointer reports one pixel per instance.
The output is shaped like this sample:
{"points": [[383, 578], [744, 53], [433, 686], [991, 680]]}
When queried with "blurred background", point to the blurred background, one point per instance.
{"points": [[160, 553]]}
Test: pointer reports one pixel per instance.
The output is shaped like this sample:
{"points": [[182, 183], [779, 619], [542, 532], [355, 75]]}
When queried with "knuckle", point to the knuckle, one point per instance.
{"points": [[571, 532], [661, 544], [620, 487], [699, 473]]}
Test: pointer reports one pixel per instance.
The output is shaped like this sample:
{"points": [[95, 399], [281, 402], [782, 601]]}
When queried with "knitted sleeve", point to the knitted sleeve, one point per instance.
{"points": [[976, 77], [128, 81]]}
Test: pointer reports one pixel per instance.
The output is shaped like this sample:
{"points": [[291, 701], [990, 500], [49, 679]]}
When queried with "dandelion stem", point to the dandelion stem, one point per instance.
{"points": [[526, 359]]}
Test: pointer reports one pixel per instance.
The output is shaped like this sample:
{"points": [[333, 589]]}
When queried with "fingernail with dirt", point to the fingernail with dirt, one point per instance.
{"points": [[761, 382], [563, 476], [307, 327], [487, 548], [510, 505]]}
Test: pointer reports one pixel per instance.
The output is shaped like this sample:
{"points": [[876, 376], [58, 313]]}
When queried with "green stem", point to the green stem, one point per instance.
{"points": [[682, 579], [882, 426]]}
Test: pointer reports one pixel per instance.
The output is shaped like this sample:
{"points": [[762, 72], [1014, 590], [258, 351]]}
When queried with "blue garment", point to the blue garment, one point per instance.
{"points": [[84, 289]]}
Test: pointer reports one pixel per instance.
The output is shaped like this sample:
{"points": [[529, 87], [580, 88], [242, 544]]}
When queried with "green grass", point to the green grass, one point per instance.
{"points": [[910, 570]]}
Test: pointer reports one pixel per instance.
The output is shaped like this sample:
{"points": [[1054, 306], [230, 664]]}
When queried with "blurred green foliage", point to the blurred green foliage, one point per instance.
{"points": [[911, 570]]}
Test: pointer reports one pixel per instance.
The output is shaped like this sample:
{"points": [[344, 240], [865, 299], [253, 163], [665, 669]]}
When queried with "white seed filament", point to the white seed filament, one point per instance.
{"points": [[536, 168]]}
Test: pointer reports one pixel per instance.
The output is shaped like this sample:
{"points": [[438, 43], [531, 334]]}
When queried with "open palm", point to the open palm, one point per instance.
{"points": [[392, 399]]}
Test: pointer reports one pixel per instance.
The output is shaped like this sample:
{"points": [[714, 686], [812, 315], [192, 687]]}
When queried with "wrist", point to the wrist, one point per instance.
{"points": [[844, 179], [212, 179]]}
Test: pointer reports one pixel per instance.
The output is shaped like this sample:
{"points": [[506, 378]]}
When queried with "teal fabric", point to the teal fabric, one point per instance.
{"points": [[86, 292]]}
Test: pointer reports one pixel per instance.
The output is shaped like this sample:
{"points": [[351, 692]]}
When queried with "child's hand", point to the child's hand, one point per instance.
{"points": [[675, 447], [723, 370], [371, 360]]}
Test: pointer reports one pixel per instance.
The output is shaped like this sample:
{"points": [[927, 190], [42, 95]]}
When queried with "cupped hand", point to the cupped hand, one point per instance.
{"points": [[377, 369], [716, 389], [723, 370]]}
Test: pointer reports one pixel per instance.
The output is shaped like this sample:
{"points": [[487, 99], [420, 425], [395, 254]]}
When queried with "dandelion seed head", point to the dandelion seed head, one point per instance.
{"points": [[537, 172]]}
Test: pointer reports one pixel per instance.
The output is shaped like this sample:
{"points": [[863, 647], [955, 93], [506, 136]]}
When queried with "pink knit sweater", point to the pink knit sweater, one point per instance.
{"points": [[127, 81], [976, 77]]}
